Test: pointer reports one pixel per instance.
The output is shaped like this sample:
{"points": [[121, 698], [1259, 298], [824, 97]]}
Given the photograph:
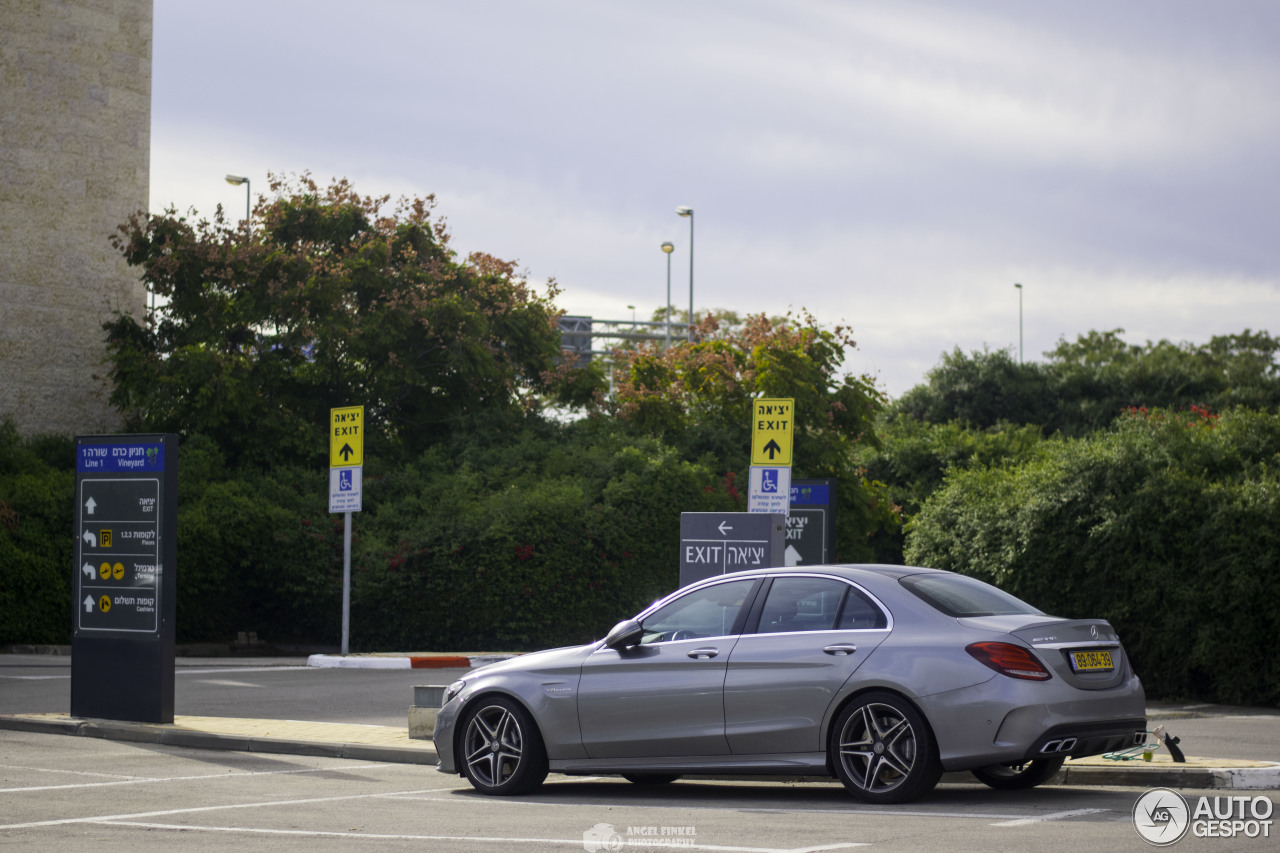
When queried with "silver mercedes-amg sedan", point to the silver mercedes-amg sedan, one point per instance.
{"points": [[882, 676]]}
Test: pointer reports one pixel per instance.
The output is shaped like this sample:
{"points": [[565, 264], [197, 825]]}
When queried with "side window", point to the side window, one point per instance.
{"points": [[860, 613], [707, 612], [801, 604]]}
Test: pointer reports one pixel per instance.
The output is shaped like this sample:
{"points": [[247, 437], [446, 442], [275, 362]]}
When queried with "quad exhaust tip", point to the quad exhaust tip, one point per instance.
{"points": [[1056, 746]]}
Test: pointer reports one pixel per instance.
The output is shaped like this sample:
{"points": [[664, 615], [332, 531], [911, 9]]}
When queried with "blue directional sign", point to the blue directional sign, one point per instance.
{"points": [[811, 525]]}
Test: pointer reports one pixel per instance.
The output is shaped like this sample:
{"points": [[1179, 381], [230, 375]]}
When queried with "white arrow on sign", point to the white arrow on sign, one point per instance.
{"points": [[87, 569], [90, 539], [88, 604], [793, 556], [723, 528], [90, 505]]}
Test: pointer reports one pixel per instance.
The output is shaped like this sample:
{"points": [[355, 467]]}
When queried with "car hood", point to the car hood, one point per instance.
{"points": [[548, 659]]}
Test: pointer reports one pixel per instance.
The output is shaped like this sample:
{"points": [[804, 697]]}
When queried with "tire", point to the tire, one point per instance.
{"points": [[883, 751], [502, 752], [1017, 777], [651, 778]]}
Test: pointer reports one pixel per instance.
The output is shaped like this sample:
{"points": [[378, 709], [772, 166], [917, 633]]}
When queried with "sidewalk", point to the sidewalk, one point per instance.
{"points": [[392, 744]]}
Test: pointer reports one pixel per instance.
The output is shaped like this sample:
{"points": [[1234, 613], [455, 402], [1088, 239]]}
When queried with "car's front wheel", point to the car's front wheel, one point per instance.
{"points": [[883, 751], [502, 750], [1016, 777]]}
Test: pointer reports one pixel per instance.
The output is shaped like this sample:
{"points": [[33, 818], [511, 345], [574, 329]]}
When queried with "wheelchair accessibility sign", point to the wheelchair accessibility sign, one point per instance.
{"points": [[345, 489], [769, 489]]}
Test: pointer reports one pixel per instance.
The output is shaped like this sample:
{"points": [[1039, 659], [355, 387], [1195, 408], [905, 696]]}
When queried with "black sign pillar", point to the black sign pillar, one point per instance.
{"points": [[125, 577]]}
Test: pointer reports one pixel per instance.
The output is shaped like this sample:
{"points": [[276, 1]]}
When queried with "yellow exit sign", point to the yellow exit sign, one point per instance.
{"points": [[346, 437], [772, 423]]}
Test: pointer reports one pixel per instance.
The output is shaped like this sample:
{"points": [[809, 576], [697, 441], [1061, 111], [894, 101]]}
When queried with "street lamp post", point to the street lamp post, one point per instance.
{"points": [[1019, 322], [668, 248], [236, 180], [685, 210]]}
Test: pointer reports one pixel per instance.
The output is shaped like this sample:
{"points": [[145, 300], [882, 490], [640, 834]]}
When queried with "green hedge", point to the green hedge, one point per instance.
{"points": [[1166, 525], [36, 537], [546, 540], [541, 536]]}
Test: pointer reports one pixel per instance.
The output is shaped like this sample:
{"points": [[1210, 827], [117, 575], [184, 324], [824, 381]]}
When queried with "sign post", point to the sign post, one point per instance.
{"points": [[346, 485], [124, 579], [772, 426]]}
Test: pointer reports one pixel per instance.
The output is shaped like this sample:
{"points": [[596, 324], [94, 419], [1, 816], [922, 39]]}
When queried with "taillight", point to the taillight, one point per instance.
{"points": [[1008, 659]]}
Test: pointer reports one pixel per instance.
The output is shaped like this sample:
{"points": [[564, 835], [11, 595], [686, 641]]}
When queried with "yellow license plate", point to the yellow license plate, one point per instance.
{"points": [[1091, 661]]}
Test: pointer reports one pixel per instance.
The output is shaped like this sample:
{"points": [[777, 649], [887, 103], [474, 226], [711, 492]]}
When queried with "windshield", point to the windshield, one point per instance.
{"points": [[957, 595]]}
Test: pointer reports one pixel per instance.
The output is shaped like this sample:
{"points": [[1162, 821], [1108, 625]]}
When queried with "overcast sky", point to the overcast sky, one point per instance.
{"points": [[894, 166]]}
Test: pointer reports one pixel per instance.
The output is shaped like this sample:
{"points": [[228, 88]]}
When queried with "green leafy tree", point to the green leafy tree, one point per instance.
{"points": [[913, 459], [332, 299], [1099, 375], [1164, 524], [1084, 385], [983, 388], [697, 396]]}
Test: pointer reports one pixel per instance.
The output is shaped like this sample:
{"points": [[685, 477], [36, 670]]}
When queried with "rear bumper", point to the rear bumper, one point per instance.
{"points": [[1006, 721], [1077, 740]]}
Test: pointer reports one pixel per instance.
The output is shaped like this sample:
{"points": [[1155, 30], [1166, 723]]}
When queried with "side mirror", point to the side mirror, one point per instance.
{"points": [[625, 633]]}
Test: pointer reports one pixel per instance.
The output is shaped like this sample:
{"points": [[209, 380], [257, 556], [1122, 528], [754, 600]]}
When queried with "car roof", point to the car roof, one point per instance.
{"points": [[852, 571]]}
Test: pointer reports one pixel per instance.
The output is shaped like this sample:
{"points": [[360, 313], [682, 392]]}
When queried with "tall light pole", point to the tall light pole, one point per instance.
{"points": [[668, 248], [1019, 322], [685, 210], [235, 180]]}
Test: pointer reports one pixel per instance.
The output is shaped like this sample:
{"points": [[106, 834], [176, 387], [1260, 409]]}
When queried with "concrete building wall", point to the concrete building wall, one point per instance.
{"points": [[75, 138]]}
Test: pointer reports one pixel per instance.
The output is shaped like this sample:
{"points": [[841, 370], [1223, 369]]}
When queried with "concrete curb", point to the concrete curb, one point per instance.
{"points": [[168, 735], [410, 661], [1143, 775]]}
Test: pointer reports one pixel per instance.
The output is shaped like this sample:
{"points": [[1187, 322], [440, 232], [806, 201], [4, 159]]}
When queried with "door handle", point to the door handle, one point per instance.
{"points": [[841, 649], [703, 654]]}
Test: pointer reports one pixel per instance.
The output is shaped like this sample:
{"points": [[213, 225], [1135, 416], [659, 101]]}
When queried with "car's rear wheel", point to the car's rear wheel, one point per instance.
{"points": [[1016, 777], [883, 751], [502, 750], [651, 778]]}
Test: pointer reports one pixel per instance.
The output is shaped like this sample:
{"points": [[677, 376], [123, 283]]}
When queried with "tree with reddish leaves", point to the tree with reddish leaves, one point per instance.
{"points": [[331, 299], [697, 396]]}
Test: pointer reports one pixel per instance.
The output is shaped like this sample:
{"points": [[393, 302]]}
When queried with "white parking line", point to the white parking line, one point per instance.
{"points": [[226, 682], [66, 772], [138, 819], [474, 839], [1023, 821], [198, 809], [147, 780]]}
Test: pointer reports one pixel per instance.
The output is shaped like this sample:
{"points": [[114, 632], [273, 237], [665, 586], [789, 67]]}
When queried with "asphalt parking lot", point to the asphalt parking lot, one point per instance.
{"points": [[60, 793]]}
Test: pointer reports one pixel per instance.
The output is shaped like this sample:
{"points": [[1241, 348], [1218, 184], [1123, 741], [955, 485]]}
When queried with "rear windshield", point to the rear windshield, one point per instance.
{"points": [[957, 595]]}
